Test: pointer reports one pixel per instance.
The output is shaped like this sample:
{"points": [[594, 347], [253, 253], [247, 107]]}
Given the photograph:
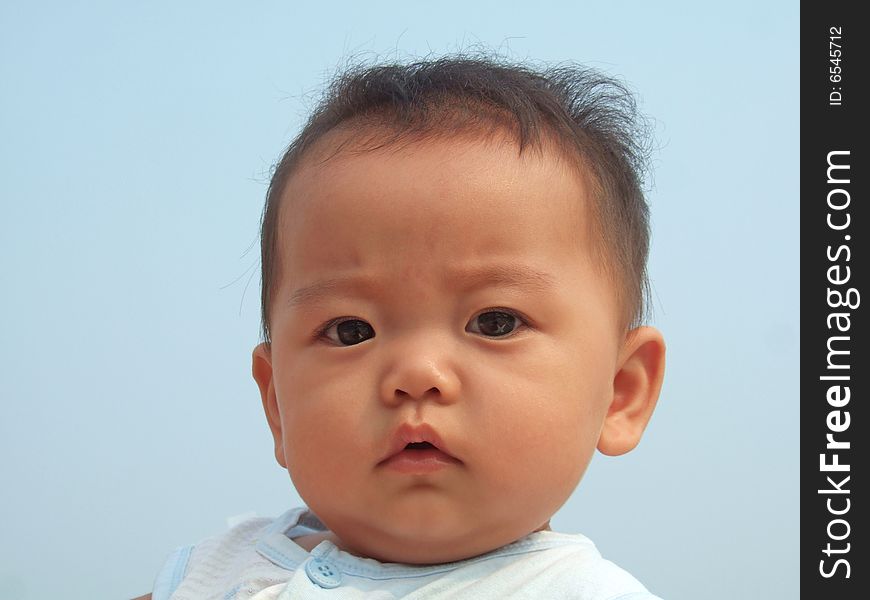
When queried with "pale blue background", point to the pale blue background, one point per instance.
{"points": [[135, 144]]}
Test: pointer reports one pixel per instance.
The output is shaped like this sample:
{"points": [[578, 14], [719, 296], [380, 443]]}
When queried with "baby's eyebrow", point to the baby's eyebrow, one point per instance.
{"points": [[518, 276]]}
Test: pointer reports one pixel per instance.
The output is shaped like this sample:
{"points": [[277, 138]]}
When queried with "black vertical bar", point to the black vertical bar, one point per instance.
{"points": [[835, 225]]}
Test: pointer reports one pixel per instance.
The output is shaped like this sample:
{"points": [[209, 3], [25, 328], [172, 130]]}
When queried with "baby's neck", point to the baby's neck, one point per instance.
{"points": [[311, 540]]}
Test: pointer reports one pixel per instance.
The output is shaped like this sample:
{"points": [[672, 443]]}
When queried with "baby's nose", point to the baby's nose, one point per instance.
{"points": [[417, 372]]}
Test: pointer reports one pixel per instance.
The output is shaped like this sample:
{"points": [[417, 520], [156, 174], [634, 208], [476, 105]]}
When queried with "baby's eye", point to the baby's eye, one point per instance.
{"points": [[494, 323], [348, 332]]}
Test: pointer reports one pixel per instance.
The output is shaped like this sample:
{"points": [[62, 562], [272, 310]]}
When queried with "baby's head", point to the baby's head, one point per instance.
{"points": [[454, 260]]}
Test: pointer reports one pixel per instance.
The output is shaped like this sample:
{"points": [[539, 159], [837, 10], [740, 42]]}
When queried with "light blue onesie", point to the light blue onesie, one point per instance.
{"points": [[257, 560]]}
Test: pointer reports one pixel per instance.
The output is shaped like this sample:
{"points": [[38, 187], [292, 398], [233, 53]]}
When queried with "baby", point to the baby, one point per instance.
{"points": [[454, 273]]}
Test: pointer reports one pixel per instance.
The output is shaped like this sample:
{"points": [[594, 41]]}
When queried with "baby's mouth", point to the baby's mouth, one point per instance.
{"points": [[419, 446], [419, 458]]}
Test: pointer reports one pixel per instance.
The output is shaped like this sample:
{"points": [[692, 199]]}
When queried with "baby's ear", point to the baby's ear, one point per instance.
{"points": [[262, 371], [636, 389]]}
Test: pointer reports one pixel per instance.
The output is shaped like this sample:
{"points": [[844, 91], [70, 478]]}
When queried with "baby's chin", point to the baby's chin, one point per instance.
{"points": [[430, 547]]}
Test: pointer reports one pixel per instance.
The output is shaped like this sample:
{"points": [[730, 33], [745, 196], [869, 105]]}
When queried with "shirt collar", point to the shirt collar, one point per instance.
{"points": [[277, 546]]}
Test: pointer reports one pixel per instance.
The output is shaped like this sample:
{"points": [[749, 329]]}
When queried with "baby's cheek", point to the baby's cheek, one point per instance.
{"points": [[554, 446], [316, 463]]}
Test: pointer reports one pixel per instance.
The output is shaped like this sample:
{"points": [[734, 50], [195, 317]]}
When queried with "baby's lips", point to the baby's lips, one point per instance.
{"points": [[407, 433]]}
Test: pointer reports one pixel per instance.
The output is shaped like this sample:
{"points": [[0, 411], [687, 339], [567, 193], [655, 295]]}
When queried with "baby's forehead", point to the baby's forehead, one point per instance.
{"points": [[441, 201], [365, 162], [427, 193], [326, 156]]}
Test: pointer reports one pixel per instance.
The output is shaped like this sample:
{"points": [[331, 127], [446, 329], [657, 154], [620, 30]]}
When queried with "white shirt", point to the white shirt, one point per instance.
{"points": [[258, 560]]}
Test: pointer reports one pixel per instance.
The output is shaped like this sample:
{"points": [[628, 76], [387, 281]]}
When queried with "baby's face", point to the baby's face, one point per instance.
{"points": [[442, 292]]}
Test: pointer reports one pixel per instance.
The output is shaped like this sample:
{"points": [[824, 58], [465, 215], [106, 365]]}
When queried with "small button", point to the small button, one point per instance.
{"points": [[323, 573]]}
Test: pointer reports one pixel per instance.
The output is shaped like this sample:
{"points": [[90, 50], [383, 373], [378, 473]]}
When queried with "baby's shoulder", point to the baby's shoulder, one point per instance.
{"points": [[215, 563], [571, 566]]}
